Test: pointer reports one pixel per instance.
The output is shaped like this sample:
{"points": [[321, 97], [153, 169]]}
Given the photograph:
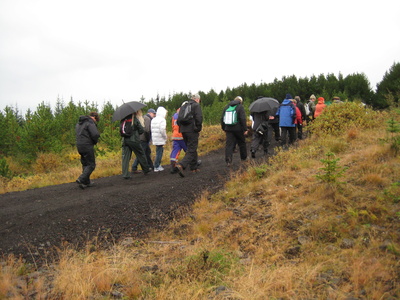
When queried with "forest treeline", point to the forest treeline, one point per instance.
{"points": [[51, 129]]}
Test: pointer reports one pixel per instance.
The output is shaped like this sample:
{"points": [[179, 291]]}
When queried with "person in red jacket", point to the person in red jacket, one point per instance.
{"points": [[299, 118]]}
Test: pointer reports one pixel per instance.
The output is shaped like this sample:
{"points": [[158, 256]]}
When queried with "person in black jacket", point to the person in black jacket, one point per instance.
{"points": [[190, 133], [87, 136], [302, 109], [235, 133]]}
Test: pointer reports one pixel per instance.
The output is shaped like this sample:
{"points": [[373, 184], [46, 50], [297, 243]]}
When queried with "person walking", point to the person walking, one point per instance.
{"points": [[178, 144], [287, 116], [87, 135], [311, 108], [302, 111], [319, 108], [190, 132], [132, 144], [299, 119], [233, 122], [159, 136], [145, 139]]}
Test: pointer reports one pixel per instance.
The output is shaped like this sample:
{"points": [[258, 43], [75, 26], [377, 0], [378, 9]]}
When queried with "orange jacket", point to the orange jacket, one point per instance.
{"points": [[176, 135], [319, 108]]}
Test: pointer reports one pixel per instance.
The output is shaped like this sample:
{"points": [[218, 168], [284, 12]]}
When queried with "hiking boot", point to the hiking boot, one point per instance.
{"points": [[253, 154], [173, 168], [137, 172], [179, 170]]}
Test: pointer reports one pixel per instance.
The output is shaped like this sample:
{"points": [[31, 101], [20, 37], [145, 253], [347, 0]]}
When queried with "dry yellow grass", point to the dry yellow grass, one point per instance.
{"points": [[274, 232], [52, 169]]}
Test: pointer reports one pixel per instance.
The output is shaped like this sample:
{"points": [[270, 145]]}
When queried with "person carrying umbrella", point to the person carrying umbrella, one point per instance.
{"points": [[260, 111], [131, 126], [132, 144]]}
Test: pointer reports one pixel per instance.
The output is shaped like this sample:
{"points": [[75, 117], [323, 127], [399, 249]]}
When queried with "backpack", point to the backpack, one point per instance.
{"points": [[230, 115], [185, 115], [307, 109], [125, 128]]}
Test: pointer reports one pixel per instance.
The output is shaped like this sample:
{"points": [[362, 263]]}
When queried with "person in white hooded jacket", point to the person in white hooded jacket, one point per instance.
{"points": [[159, 136]]}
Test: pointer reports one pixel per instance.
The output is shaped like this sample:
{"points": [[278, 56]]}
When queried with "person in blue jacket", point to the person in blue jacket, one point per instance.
{"points": [[287, 117]]}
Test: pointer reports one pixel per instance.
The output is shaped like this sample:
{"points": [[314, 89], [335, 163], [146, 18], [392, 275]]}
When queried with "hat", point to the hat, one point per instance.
{"points": [[336, 98], [288, 96], [312, 97], [239, 99], [151, 111]]}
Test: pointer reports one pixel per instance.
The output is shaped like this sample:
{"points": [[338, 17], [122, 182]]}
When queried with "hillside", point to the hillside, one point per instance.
{"points": [[319, 221]]}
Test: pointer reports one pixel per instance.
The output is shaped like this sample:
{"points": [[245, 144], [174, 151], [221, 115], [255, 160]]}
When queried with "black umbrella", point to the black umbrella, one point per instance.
{"points": [[127, 109], [263, 104]]}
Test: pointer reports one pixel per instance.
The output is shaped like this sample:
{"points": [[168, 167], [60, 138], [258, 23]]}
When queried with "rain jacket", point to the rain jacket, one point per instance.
{"points": [[319, 108], [159, 127], [86, 131], [197, 124], [241, 115], [176, 135], [146, 135], [287, 114]]}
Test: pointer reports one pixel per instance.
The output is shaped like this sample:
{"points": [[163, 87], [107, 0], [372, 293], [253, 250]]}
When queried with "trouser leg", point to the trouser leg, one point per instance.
{"points": [[88, 162]]}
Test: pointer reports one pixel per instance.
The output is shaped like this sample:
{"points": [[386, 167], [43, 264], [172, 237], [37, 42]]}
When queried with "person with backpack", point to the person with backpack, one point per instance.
{"points": [[145, 139], [287, 117], [261, 134], [233, 123], [131, 128], [87, 135], [159, 136], [190, 122], [311, 108]]}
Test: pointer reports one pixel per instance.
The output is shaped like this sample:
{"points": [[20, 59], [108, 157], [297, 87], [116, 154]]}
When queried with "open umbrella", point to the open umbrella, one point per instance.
{"points": [[263, 104], [127, 109]]}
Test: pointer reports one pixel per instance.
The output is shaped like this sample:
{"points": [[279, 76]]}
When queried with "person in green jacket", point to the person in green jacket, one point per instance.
{"points": [[132, 144]]}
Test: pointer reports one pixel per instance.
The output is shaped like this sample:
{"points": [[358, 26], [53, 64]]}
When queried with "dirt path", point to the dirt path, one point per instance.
{"points": [[35, 222]]}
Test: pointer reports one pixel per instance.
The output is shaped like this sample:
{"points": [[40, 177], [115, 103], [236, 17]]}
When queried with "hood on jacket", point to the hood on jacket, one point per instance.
{"points": [[83, 119], [234, 102], [321, 100], [286, 102], [161, 112]]}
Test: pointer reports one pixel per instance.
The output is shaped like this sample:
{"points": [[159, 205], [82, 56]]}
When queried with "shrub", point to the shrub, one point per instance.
{"points": [[338, 118], [47, 162], [5, 169]]}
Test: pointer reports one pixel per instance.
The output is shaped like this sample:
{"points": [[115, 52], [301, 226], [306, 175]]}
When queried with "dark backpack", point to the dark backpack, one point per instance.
{"points": [[125, 128], [185, 115], [230, 115]]}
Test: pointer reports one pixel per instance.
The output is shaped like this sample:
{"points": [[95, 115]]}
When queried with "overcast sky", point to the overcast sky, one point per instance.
{"points": [[121, 50]]}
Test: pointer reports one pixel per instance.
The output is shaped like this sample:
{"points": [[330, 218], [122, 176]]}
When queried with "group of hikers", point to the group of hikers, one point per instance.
{"points": [[284, 121]]}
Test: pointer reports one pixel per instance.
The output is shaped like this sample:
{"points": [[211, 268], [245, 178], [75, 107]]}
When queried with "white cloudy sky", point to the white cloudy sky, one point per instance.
{"points": [[118, 50]]}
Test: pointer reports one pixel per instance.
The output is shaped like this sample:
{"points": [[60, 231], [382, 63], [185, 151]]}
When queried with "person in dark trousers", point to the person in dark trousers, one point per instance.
{"points": [[299, 126], [87, 135], [145, 139], [132, 144], [287, 117], [235, 133], [274, 125], [190, 133]]}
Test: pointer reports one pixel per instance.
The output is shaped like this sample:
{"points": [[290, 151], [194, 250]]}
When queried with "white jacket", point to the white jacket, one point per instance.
{"points": [[159, 127]]}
